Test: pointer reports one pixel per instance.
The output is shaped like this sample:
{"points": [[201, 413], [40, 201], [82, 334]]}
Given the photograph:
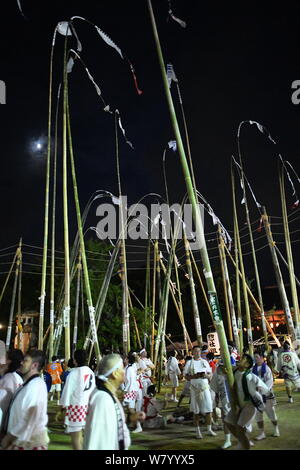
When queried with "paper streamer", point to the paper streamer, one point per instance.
{"points": [[171, 76], [178, 20], [172, 145], [123, 130]]}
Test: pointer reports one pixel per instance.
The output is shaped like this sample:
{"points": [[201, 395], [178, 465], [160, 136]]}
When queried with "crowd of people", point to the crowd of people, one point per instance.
{"points": [[120, 394]]}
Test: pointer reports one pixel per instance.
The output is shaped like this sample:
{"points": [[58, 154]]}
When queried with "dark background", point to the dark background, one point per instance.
{"points": [[233, 64]]}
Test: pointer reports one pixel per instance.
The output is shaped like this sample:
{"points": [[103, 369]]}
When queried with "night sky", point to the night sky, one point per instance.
{"points": [[232, 64]]}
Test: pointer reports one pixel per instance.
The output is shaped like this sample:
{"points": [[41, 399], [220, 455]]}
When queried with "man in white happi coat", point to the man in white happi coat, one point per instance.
{"points": [[26, 418], [198, 371], [106, 427], [247, 396], [11, 379], [263, 371], [146, 380], [173, 372], [75, 397], [289, 366]]}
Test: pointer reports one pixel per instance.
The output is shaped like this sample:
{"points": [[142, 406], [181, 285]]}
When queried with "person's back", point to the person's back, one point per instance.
{"points": [[55, 370]]}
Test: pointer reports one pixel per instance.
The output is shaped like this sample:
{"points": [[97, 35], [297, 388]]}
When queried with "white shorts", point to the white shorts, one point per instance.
{"points": [[55, 387], [244, 418], [201, 402], [269, 410], [174, 379], [76, 428], [292, 383], [129, 399]]}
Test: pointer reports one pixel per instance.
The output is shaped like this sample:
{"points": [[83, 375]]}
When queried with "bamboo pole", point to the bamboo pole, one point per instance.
{"points": [[201, 285], [52, 286], [257, 277], [225, 286], [289, 254], [229, 293], [82, 244], [196, 315], [280, 284], [13, 298], [66, 309], [240, 344], [180, 304], [147, 294], [244, 283], [155, 250], [19, 326], [134, 321], [251, 296], [75, 327], [46, 214]]}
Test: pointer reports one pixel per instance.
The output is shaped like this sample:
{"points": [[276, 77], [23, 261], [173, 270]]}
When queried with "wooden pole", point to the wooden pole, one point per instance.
{"points": [[279, 279], [75, 327], [222, 256], [153, 298]]}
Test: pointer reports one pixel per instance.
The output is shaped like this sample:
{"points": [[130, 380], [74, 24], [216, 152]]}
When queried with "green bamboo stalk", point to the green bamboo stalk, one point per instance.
{"points": [[196, 213], [257, 277], [251, 297], [147, 294], [155, 250], [289, 253], [222, 256], [237, 241], [229, 293], [279, 279], [52, 290], [82, 243], [66, 311], [13, 298], [201, 284], [240, 344], [196, 315], [180, 305], [19, 304], [46, 214], [75, 327]]}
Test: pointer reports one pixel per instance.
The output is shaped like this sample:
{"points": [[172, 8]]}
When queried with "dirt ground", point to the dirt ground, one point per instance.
{"points": [[182, 436]]}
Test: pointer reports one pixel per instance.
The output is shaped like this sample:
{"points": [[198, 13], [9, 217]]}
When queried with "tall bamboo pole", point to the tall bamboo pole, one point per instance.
{"points": [[19, 304], [279, 279], [229, 294], [180, 304], [147, 294], [251, 297], [134, 321], [196, 212], [46, 215], [82, 244], [9, 274], [225, 286], [66, 309], [155, 250], [75, 327], [244, 283], [196, 315], [289, 253], [52, 288], [201, 285], [13, 298], [240, 344], [257, 277]]}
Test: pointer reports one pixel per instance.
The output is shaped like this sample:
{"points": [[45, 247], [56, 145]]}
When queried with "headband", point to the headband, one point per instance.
{"points": [[104, 378], [142, 350]]}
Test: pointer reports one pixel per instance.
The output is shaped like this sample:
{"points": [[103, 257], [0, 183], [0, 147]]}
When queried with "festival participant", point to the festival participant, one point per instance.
{"points": [[26, 419], [210, 357], [146, 381], [11, 379], [186, 392], [199, 373], [265, 374], [247, 396], [152, 408], [47, 379], [75, 397], [289, 366], [66, 372], [220, 386], [106, 427], [55, 370], [131, 387], [173, 373]]}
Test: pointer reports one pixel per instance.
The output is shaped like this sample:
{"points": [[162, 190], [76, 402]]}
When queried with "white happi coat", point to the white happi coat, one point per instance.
{"points": [[76, 393], [201, 401], [289, 366], [28, 415], [256, 388], [9, 383], [101, 430]]}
